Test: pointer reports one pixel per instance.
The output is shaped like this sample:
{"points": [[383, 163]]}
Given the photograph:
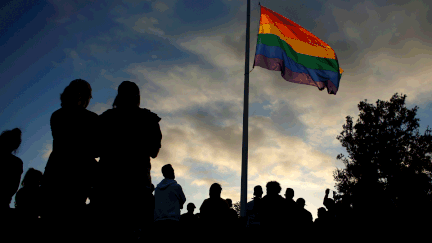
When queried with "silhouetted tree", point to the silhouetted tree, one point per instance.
{"points": [[389, 163], [236, 207]]}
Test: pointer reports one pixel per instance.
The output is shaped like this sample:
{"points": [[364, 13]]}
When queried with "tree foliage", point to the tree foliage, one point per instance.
{"points": [[236, 207], [387, 157]]}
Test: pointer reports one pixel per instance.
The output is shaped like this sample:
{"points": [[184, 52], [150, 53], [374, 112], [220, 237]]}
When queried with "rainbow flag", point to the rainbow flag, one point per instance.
{"points": [[300, 56]]}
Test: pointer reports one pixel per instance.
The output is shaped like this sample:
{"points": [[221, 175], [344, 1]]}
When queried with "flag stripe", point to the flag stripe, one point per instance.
{"points": [[289, 73], [316, 75], [288, 29], [305, 60], [298, 32], [300, 56], [298, 45]]}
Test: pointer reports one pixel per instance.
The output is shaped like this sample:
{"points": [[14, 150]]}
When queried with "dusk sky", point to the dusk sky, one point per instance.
{"points": [[188, 56]]}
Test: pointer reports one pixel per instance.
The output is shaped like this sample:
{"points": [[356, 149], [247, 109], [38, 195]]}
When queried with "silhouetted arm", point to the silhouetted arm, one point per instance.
{"points": [[327, 191]]}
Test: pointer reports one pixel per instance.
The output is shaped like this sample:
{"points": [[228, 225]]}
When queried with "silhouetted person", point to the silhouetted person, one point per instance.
{"points": [[11, 171], [252, 213], [189, 220], [273, 208], [321, 225], [169, 199], [292, 209], [70, 167], [331, 209], [12, 167], [305, 219], [130, 136], [28, 199], [233, 219], [321, 221], [214, 211], [28, 203]]}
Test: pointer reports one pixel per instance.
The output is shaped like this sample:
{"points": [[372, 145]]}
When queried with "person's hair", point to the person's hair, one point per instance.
{"points": [[258, 189], [273, 186], [77, 90], [321, 212], [32, 178], [289, 192], [128, 95], [167, 169], [215, 189], [190, 205], [322, 209], [229, 201], [301, 201], [10, 140]]}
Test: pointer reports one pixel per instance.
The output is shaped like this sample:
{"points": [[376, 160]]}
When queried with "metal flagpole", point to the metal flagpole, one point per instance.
{"points": [[243, 196]]}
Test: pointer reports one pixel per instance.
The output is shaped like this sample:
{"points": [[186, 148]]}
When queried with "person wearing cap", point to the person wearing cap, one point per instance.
{"points": [[251, 208], [189, 220], [129, 137], [305, 217]]}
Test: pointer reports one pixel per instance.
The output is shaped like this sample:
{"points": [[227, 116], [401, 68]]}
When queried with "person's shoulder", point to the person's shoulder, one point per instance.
{"points": [[223, 202], [176, 185], [108, 112], [58, 113], [264, 199], [206, 201], [17, 162], [149, 114], [90, 113]]}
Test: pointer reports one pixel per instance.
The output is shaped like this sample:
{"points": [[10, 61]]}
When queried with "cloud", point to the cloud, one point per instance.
{"points": [[99, 108], [46, 152], [160, 6], [142, 24], [383, 50], [81, 17], [79, 64]]}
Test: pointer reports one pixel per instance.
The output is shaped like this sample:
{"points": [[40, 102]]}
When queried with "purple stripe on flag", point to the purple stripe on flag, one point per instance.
{"points": [[277, 64]]}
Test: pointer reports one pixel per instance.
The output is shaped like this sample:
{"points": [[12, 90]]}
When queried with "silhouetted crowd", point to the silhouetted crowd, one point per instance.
{"points": [[52, 205]]}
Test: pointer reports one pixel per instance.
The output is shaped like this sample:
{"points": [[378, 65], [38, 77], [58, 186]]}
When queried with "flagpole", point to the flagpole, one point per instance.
{"points": [[243, 196]]}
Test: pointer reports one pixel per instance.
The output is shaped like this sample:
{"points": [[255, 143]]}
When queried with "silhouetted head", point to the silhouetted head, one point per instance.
{"points": [[215, 190], [168, 172], [128, 95], [258, 191], [289, 193], [190, 207], [32, 178], [301, 202], [273, 188], [10, 140], [321, 212], [229, 201], [77, 93]]}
